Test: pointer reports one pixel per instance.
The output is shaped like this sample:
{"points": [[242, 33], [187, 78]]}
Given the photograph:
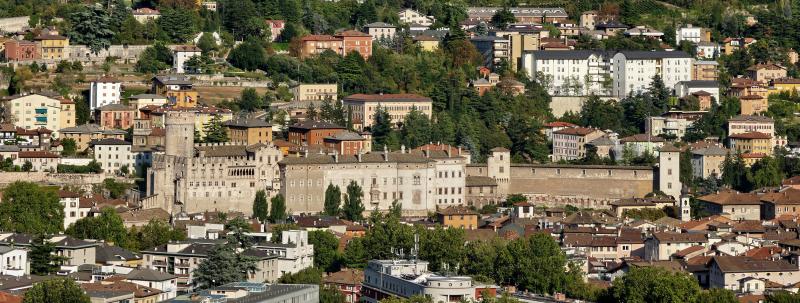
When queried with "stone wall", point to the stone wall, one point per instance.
{"points": [[82, 180], [560, 105]]}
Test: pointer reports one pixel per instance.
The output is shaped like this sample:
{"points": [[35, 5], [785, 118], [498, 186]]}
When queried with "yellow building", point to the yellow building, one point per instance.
{"points": [[182, 98], [753, 105], [66, 118], [427, 43], [786, 85], [315, 92], [177, 88], [249, 131], [53, 45], [34, 111], [458, 216], [751, 142]]}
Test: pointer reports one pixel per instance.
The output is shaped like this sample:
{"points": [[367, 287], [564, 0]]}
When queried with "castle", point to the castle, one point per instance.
{"points": [[193, 177]]}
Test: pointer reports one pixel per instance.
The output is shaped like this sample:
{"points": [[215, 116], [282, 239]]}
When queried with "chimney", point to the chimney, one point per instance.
{"points": [[403, 149]]}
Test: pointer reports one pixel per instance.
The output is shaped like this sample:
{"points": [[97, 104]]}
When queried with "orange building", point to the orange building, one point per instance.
{"points": [[458, 216], [312, 132], [753, 104], [744, 87], [116, 116], [21, 50], [249, 131], [342, 44], [349, 143]]}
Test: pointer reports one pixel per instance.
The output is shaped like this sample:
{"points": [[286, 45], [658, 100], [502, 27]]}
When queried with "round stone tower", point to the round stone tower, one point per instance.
{"points": [[179, 141]]}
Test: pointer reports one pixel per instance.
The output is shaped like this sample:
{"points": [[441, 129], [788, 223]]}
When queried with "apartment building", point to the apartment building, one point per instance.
{"points": [[570, 143], [656, 126], [521, 14], [634, 70], [117, 116], [112, 154], [733, 204], [705, 70], [181, 54], [341, 43], [745, 123], [139, 101], [692, 34], [52, 45], [410, 16], [751, 142], [104, 91], [688, 87], [178, 89], [363, 107], [83, 134], [21, 50], [407, 278], [707, 161], [315, 92], [75, 252], [570, 73], [764, 73], [312, 132], [661, 245], [248, 131], [74, 210], [729, 272], [34, 111], [380, 31]]}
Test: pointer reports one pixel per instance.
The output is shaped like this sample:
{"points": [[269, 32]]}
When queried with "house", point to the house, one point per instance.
{"points": [[729, 45], [641, 144], [398, 106], [481, 190], [75, 252], [404, 278], [728, 272], [181, 55], [165, 282], [705, 70], [248, 131], [83, 134], [52, 45], [764, 73], [750, 123], [380, 31], [689, 87], [790, 85], [410, 16], [745, 86], [74, 210], [14, 261], [177, 88], [426, 43], [112, 154], [588, 19], [457, 216], [692, 34], [610, 28], [666, 126], [752, 105], [555, 126], [111, 290], [341, 43], [661, 245], [104, 91], [643, 31], [146, 14], [733, 204], [112, 255], [708, 50], [707, 161], [21, 50], [115, 115], [348, 282], [493, 49], [275, 28], [308, 133], [349, 143], [751, 142], [315, 92], [783, 202], [569, 143], [137, 102], [42, 161], [484, 84], [635, 70]]}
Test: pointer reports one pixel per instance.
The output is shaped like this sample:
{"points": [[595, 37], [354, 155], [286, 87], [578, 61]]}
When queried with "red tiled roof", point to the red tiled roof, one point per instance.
{"points": [[37, 154], [68, 194], [576, 131], [319, 38], [351, 33], [751, 135], [751, 97], [753, 155], [731, 197], [387, 98], [559, 124]]}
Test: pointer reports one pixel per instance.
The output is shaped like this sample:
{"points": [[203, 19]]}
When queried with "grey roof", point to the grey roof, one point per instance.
{"points": [[173, 80], [376, 157], [115, 107], [711, 151], [488, 12], [751, 118], [309, 125], [644, 55], [148, 275], [487, 38], [700, 83], [147, 96], [108, 141], [91, 128], [260, 254], [110, 253], [5, 249], [246, 122], [223, 150], [602, 141], [706, 62], [564, 54], [379, 24], [480, 181], [9, 148], [345, 135]]}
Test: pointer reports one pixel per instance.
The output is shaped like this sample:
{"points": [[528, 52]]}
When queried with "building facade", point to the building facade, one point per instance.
{"points": [[362, 107], [104, 91], [36, 111], [570, 143], [634, 70], [315, 92]]}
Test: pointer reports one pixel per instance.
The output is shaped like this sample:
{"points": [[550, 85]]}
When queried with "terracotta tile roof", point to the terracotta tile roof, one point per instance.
{"points": [[319, 38], [576, 131], [751, 118], [795, 180], [753, 155], [456, 210], [37, 154], [751, 97], [765, 252], [748, 226], [387, 98], [139, 291], [768, 66], [789, 196], [731, 197], [68, 194], [751, 135], [559, 124], [786, 81], [701, 93], [743, 264], [670, 237], [186, 48], [351, 33], [345, 277], [689, 250], [9, 298], [311, 125]]}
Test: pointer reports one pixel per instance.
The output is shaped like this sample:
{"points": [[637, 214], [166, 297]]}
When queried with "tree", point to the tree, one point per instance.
{"points": [[326, 254], [215, 132], [30, 208], [782, 297], [381, 129], [260, 207], [416, 129], [178, 24], [43, 257], [311, 275], [154, 59], [653, 284], [250, 101], [108, 226], [353, 208], [207, 43], [223, 265], [277, 211], [330, 294], [718, 295], [250, 55], [154, 234], [91, 26], [502, 18], [68, 147], [58, 290], [236, 15], [333, 200], [27, 166], [115, 189]]}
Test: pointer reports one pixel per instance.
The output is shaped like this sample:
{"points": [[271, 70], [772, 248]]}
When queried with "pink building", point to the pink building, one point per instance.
{"points": [[276, 28], [116, 116], [21, 50]]}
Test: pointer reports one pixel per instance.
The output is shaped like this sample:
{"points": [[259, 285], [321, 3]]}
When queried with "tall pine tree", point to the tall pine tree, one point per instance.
{"points": [[353, 208], [333, 200], [260, 208]]}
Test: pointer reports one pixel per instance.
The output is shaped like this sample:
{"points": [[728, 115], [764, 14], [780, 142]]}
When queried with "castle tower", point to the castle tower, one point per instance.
{"points": [[669, 163], [179, 139], [498, 166], [685, 208]]}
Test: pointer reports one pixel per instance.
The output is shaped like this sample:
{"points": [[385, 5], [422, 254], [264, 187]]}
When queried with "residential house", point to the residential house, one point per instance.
{"points": [[620, 206], [458, 216], [707, 161], [139, 101], [42, 161], [705, 70], [181, 54], [551, 127], [790, 85], [708, 50], [52, 45], [661, 245], [21, 50], [569, 143], [729, 45], [751, 142], [752, 105], [248, 131], [728, 271], [481, 190], [111, 290], [781, 203], [750, 123], [14, 262], [348, 143], [745, 87], [764, 73], [309, 133], [146, 14], [588, 19], [692, 34], [74, 210], [610, 28], [275, 28], [427, 43], [177, 88], [315, 92], [341, 43], [521, 14], [363, 107], [644, 32], [75, 252], [733, 204], [34, 111], [83, 134], [348, 282], [112, 154], [689, 87], [381, 31], [569, 73], [116, 116], [641, 144], [493, 49], [410, 16]]}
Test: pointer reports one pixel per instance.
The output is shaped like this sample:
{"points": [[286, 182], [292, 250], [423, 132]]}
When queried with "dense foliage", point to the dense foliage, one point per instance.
{"points": [[31, 208]]}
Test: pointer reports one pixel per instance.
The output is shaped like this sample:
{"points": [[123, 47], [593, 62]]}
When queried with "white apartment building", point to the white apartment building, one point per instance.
{"points": [[708, 50], [685, 88], [73, 211], [570, 73], [656, 126], [689, 33], [33, 111], [410, 16], [14, 261], [104, 91], [181, 54], [294, 252], [315, 92], [380, 31], [113, 154], [633, 71], [746, 123], [407, 278]]}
